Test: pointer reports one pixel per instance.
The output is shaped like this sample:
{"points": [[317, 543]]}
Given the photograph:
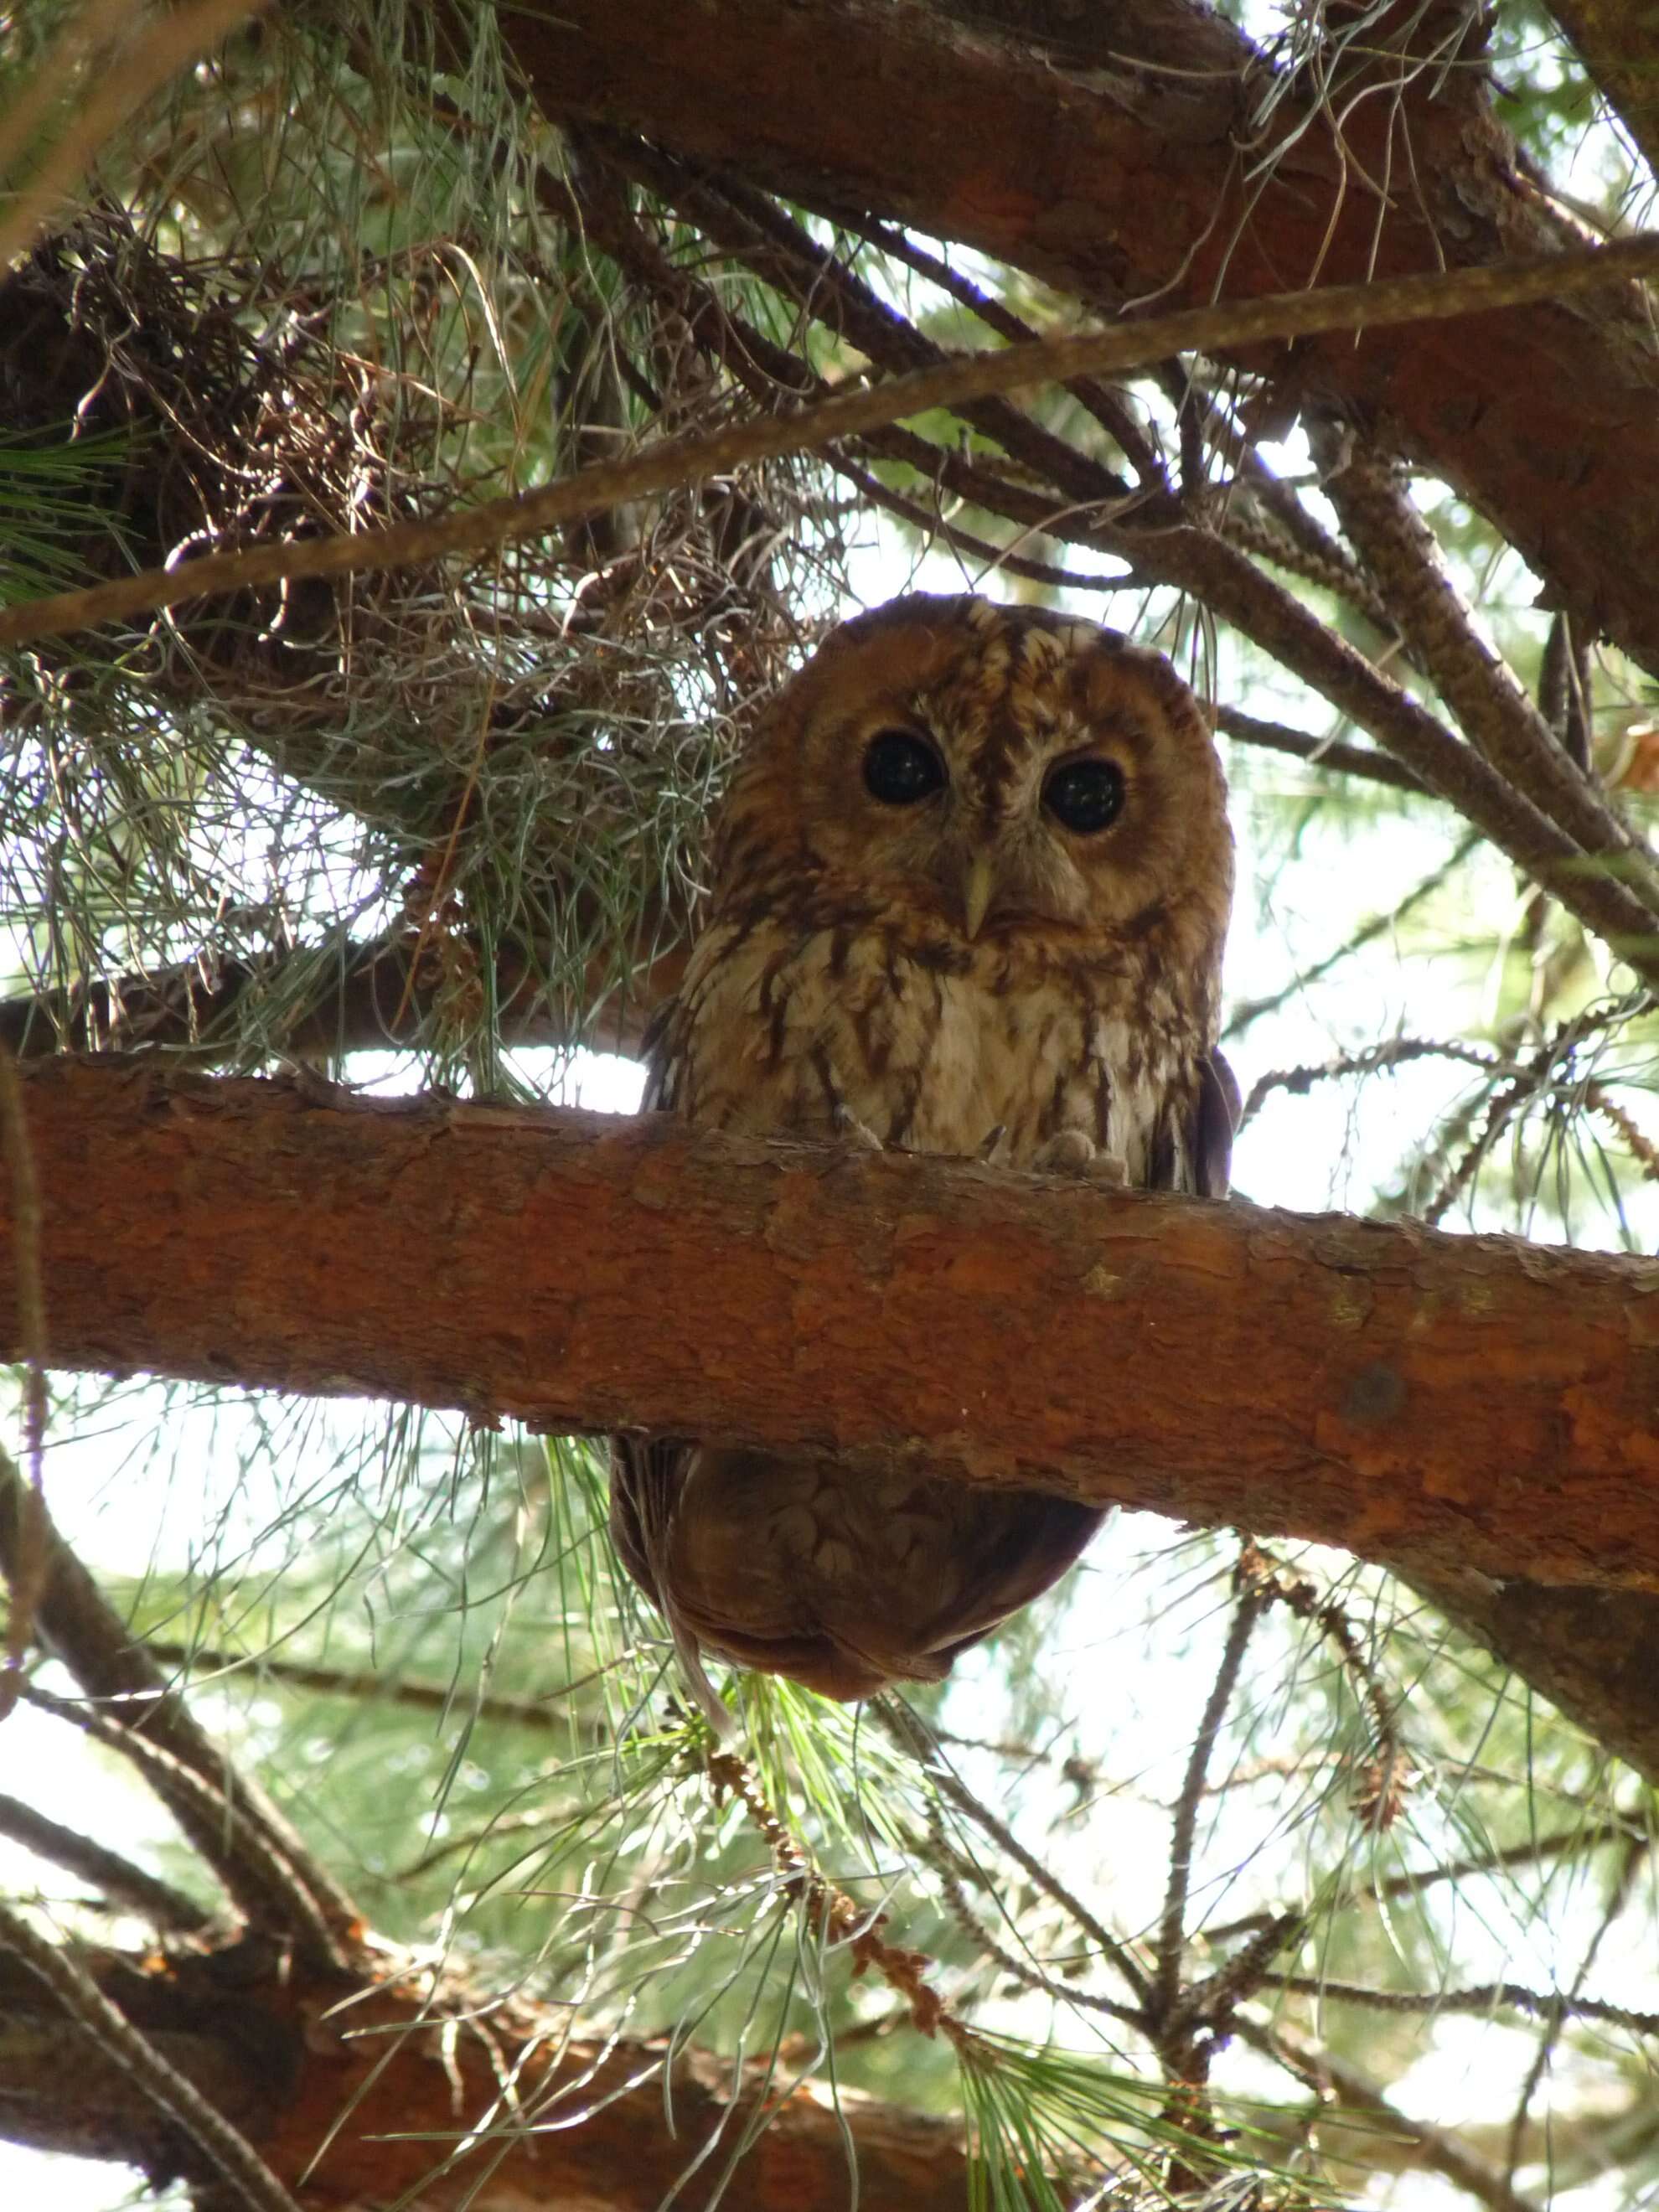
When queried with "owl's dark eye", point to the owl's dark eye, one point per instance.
{"points": [[900, 767], [1084, 795]]}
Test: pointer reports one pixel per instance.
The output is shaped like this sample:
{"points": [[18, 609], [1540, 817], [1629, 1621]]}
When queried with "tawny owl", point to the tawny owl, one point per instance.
{"points": [[970, 886]]}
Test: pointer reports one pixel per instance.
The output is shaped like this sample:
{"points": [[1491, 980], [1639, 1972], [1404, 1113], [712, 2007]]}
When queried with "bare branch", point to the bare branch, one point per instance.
{"points": [[1181, 2062], [1386, 303], [1319, 752]]}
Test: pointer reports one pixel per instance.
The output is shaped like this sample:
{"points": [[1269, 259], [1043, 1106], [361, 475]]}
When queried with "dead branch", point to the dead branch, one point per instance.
{"points": [[120, 1885], [318, 1002], [107, 2039]]}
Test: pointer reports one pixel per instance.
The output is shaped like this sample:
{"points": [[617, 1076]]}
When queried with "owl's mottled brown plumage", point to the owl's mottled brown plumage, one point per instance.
{"points": [[906, 944]]}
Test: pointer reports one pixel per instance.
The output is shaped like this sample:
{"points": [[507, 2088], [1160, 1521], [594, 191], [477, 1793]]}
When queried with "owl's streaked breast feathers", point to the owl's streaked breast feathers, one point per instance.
{"points": [[972, 875]]}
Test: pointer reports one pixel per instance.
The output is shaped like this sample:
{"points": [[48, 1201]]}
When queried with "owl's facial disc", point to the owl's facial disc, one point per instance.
{"points": [[1005, 859], [1044, 843]]}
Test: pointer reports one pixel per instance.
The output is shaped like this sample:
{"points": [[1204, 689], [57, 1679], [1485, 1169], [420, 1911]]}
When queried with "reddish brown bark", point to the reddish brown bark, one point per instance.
{"points": [[355, 2096], [1447, 1404], [1117, 177]]}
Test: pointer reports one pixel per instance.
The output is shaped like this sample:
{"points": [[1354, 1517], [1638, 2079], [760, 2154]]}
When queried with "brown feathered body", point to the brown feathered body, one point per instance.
{"points": [[971, 886]]}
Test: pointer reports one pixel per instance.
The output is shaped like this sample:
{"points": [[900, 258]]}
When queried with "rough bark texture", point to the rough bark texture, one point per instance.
{"points": [[354, 2096], [1454, 1405], [1139, 161], [1618, 41]]}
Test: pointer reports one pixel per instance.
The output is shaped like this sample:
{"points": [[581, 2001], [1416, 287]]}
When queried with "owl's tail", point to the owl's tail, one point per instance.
{"points": [[710, 1703]]}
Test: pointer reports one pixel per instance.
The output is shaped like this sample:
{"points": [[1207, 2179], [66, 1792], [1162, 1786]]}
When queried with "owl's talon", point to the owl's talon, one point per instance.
{"points": [[994, 1149], [848, 1127], [1074, 1152]]}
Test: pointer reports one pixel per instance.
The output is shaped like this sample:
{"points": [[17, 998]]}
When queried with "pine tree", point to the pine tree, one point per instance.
{"points": [[361, 1847]]}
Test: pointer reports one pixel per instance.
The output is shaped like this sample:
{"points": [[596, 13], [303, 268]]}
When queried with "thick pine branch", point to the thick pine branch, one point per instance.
{"points": [[1444, 1404]]}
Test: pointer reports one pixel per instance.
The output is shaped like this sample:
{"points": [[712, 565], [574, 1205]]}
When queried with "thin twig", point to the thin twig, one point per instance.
{"points": [[1325, 2074], [907, 1730], [834, 1914], [1378, 1798], [1534, 1851], [1483, 1997], [967, 547], [1379, 925], [1595, 1100], [1172, 1921], [1633, 1858], [542, 1713], [1320, 752], [939, 1854], [1372, 1059]]}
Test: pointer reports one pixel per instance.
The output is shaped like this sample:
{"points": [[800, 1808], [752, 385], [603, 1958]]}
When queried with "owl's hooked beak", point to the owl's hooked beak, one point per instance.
{"points": [[979, 887]]}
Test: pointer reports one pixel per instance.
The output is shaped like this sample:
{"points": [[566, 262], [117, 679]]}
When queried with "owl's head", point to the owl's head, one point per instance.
{"points": [[992, 771]]}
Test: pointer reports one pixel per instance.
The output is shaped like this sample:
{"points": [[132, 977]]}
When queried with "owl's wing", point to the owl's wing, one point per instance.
{"points": [[642, 1478], [1214, 1119], [1028, 1541], [646, 1471], [646, 1474], [658, 1094]]}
